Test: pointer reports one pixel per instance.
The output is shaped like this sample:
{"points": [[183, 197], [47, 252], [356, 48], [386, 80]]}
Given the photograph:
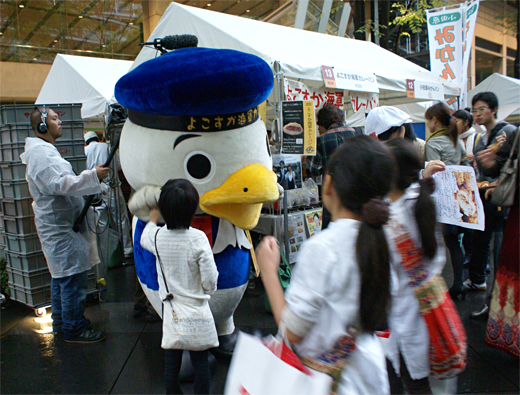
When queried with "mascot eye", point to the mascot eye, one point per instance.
{"points": [[199, 166]]}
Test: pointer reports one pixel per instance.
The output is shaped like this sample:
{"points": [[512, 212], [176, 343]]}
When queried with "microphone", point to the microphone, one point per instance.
{"points": [[173, 42]]}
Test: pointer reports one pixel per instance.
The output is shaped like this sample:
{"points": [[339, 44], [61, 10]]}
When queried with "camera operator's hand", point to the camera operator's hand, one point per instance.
{"points": [[102, 172]]}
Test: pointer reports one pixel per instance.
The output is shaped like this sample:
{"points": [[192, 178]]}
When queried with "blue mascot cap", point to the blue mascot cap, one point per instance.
{"points": [[196, 89]]}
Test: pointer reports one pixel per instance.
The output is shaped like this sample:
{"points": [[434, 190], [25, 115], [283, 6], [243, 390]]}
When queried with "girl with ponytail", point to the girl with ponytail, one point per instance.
{"points": [[340, 289], [418, 257]]}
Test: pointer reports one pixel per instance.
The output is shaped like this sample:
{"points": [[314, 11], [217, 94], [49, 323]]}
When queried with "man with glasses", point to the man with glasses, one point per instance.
{"points": [[484, 110]]}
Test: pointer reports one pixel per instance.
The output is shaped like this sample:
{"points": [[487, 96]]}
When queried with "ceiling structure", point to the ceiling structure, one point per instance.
{"points": [[34, 31]]}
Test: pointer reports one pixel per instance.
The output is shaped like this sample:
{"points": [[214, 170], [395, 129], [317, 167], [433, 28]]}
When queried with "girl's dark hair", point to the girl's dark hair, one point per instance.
{"points": [[385, 136], [178, 202], [409, 133], [409, 165], [465, 116], [362, 172], [442, 113]]}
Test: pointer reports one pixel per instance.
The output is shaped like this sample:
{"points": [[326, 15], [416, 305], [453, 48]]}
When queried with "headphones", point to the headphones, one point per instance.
{"points": [[42, 126]]}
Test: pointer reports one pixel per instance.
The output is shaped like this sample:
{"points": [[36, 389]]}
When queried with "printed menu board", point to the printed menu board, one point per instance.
{"points": [[298, 128]]}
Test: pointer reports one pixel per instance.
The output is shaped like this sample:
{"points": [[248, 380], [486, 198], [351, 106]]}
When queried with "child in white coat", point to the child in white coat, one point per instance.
{"points": [[187, 274]]}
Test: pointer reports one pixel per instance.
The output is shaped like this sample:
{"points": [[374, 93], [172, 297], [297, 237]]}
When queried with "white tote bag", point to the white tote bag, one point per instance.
{"points": [[188, 326], [187, 322], [256, 370]]}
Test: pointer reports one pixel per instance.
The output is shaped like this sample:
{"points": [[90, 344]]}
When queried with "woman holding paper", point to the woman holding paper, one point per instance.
{"points": [[444, 145]]}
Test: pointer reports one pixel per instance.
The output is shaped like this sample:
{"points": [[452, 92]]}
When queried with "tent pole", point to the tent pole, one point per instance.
{"points": [[279, 97]]}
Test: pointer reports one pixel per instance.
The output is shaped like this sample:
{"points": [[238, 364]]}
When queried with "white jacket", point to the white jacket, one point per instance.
{"points": [[57, 193], [323, 301], [97, 154]]}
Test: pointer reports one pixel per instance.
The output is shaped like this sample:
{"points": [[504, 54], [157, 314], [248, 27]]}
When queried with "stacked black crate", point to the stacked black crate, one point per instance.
{"points": [[29, 278]]}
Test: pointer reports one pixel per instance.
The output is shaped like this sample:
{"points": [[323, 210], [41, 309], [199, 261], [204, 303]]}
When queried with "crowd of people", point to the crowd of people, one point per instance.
{"points": [[379, 253]]}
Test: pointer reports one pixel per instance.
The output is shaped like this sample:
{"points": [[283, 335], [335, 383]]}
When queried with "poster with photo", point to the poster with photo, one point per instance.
{"points": [[457, 199], [313, 219], [288, 170], [297, 235], [298, 132]]}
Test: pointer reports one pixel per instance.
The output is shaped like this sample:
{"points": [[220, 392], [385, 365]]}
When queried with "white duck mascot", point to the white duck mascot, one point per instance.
{"points": [[192, 114]]}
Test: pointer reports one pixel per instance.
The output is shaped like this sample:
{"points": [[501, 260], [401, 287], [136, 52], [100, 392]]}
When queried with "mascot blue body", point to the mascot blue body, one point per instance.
{"points": [[193, 115]]}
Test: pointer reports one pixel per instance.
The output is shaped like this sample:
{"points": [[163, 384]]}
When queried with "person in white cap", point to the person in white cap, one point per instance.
{"points": [[386, 123], [97, 154]]}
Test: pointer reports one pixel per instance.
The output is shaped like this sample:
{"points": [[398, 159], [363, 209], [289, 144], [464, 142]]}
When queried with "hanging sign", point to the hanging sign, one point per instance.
{"points": [[352, 80], [410, 88], [445, 42], [328, 76], [424, 90], [295, 90], [470, 13], [364, 101], [298, 128]]}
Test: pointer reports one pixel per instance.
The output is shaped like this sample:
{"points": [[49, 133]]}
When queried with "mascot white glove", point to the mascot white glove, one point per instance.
{"points": [[143, 200]]}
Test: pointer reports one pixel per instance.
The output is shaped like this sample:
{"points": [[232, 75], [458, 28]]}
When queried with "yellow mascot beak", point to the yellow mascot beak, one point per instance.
{"points": [[239, 199]]}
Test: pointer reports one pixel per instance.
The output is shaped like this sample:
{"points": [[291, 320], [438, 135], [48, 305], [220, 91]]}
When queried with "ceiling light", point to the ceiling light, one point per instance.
{"points": [[130, 23], [248, 10], [80, 17], [209, 4], [103, 46], [21, 6], [55, 41], [35, 59]]}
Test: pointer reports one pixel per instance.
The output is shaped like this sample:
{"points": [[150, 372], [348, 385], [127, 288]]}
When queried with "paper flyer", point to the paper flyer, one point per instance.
{"points": [[313, 219], [457, 199]]}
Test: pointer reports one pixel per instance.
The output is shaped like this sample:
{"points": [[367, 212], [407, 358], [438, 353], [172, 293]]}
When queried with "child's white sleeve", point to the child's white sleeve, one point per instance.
{"points": [[207, 267], [148, 237]]}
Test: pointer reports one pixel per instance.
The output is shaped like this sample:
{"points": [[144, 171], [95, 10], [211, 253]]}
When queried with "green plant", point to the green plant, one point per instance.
{"points": [[4, 286], [371, 26], [411, 17]]}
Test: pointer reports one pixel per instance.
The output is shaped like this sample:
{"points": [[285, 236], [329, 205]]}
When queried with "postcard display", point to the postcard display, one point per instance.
{"points": [[301, 225]]}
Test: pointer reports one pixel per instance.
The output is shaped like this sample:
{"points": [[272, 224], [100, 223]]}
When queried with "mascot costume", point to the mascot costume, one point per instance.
{"points": [[192, 114]]}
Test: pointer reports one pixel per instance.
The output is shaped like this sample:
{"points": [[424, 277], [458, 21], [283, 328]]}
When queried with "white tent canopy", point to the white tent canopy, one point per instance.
{"points": [[507, 90], [82, 79], [299, 53]]}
